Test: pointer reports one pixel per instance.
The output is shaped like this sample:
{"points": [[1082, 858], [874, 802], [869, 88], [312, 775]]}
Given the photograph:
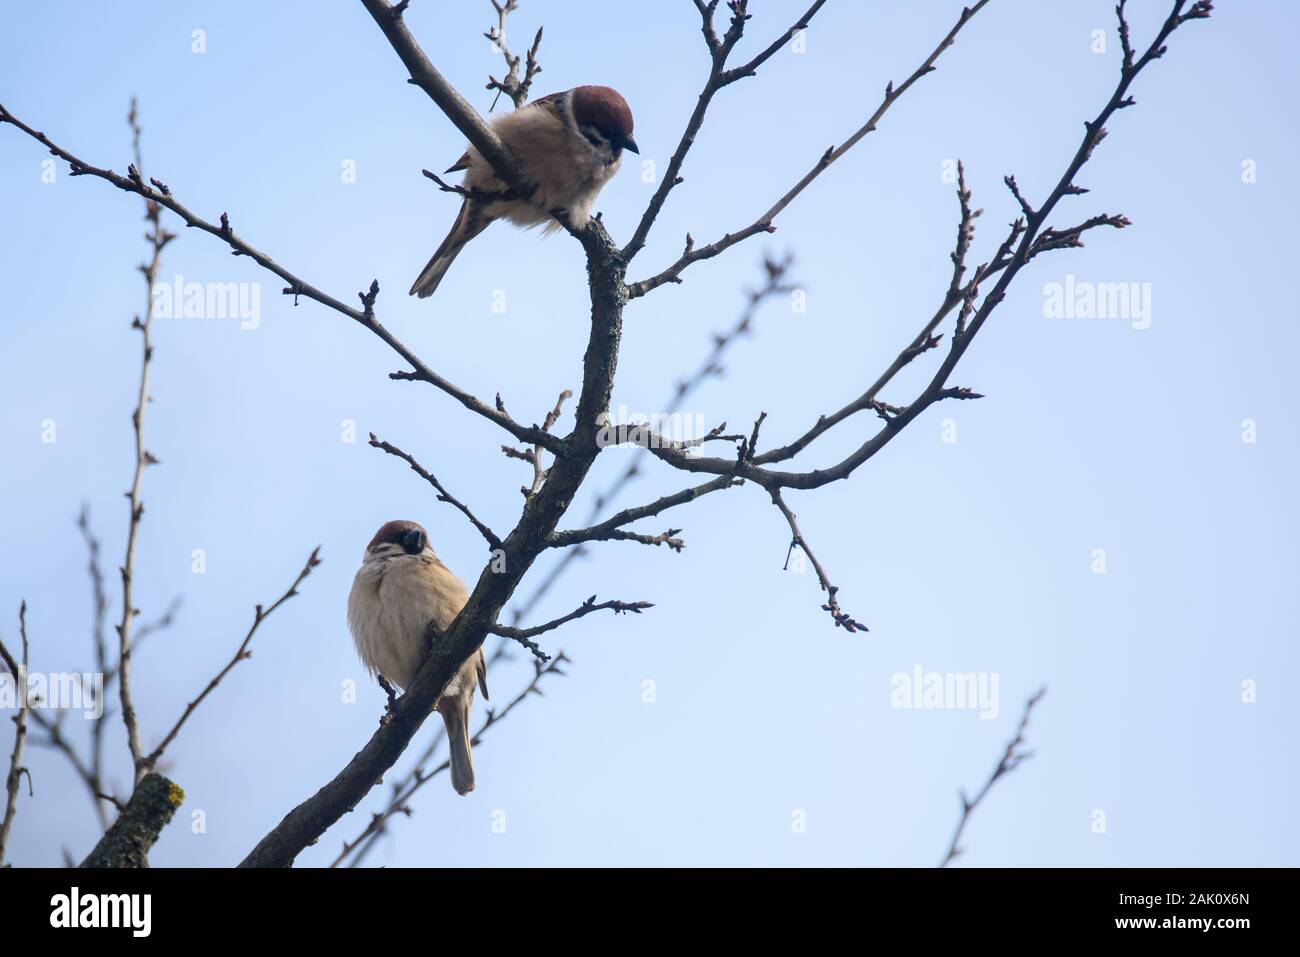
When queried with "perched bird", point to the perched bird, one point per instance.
{"points": [[400, 588], [569, 144]]}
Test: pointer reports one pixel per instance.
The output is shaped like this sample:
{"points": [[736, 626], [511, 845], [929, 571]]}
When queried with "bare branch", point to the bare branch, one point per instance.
{"points": [[161, 195], [157, 238], [663, 538], [16, 769], [535, 459], [260, 614], [405, 789], [1012, 758], [764, 223], [133, 834], [443, 495], [719, 77], [586, 608], [1008, 263], [93, 774], [841, 618], [609, 530], [512, 86], [751, 68]]}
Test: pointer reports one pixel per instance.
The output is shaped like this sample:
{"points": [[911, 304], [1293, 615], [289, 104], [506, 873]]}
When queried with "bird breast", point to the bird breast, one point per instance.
{"points": [[390, 606]]}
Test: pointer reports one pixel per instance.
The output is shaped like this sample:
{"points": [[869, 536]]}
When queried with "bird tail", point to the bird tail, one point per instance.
{"points": [[469, 223], [455, 715]]}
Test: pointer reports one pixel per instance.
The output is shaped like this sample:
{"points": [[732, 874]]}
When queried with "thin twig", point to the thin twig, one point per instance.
{"points": [[586, 608], [405, 789], [93, 774], [157, 237], [841, 618], [764, 223], [1011, 759], [160, 194], [260, 614], [16, 769], [512, 86], [1024, 237], [493, 541], [719, 77], [534, 456]]}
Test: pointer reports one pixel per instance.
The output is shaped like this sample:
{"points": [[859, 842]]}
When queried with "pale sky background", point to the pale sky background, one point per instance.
{"points": [[968, 556]]}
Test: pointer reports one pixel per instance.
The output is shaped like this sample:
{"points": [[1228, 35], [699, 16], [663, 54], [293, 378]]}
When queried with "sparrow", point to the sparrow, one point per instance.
{"points": [[569, 144], [401, 594]]}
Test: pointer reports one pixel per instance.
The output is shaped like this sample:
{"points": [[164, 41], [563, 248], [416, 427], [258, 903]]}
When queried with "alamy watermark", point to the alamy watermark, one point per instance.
{"points": [[179, 299], [1074, 299], [946, 691], [55, 691]]}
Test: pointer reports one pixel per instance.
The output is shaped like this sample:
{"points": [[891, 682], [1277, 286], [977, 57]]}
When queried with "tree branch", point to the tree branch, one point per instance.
{"points": [[93, 774], [586, 608], [1011, 759], [260, 614], [1023, 236], [719, 77], [512, 86], [159, 193], [841, 618], [16, 769], [763, 224], [608, 530], [443, 495], [496, 582], [405, 789], [157, 237], [128, 842]]}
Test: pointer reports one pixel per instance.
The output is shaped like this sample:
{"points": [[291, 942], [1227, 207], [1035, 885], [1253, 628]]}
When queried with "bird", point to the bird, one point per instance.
{"points": [[568, 144], [402, 594]]}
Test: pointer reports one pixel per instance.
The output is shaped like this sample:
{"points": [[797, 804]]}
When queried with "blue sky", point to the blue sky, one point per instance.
{"points": [[974, 555]]}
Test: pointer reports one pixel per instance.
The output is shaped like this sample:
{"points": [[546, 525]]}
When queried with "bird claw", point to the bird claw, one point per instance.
{"points": [[387, 716]]}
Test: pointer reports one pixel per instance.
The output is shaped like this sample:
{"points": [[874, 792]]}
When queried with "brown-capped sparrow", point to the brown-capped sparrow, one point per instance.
{"points": [[569, 144], [399, 591]]}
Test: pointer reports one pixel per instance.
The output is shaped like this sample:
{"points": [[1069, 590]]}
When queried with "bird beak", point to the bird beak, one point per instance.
{"points": [[629, 144], [413, 542]]}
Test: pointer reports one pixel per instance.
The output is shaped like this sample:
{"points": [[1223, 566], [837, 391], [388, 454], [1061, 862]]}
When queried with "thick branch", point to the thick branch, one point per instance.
{"points": [[136, 830], [497, 581], [426, 76]]}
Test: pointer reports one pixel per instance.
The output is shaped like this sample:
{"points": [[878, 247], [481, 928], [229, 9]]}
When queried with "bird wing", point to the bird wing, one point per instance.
{"points": [[550, 102]]}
